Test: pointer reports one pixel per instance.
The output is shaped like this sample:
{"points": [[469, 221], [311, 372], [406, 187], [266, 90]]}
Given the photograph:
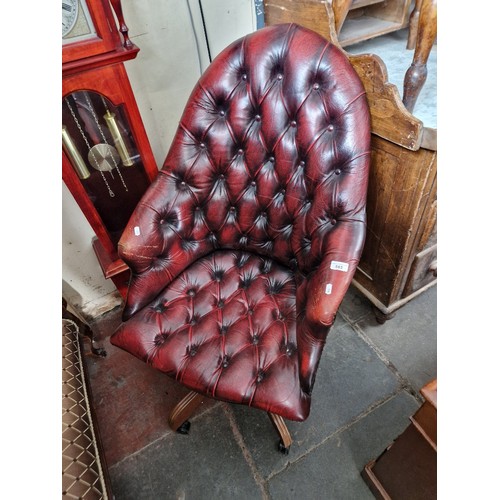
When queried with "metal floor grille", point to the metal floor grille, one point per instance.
{"points": [[82, 468]]}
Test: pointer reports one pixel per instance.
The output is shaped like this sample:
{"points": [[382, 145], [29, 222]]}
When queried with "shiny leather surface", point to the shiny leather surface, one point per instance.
{"points": [[263, 187]]}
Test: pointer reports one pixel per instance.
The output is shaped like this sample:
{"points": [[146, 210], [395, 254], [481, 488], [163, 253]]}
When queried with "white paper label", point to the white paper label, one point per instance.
{"points": [[339, 266], [137, 230], [328, 289]]}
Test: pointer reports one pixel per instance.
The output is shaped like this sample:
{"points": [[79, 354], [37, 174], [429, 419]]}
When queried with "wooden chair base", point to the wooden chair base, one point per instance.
{"points": [[282, 429], [178, 419]]}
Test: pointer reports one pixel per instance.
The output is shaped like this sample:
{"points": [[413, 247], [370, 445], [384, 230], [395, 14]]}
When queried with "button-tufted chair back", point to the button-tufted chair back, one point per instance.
{"points": [[263, 190]]}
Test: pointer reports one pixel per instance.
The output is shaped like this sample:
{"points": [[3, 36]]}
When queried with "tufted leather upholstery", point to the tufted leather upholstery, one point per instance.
{"points": [[233, 289]]}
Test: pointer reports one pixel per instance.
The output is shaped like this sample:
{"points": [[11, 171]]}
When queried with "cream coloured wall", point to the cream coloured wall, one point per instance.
{"points": [[172, 56]]}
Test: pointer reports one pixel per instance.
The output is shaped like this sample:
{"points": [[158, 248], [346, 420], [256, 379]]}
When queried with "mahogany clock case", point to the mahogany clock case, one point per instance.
{"points": [[107, 161]]}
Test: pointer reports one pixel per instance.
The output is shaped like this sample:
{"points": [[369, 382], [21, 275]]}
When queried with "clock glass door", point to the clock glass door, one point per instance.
{"points": [[99, 144]]}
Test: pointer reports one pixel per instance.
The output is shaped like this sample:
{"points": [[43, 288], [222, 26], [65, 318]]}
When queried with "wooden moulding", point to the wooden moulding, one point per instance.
{"points": [[390, 119], [425, 419], [429, 392], [112, 267], [356, 4]]}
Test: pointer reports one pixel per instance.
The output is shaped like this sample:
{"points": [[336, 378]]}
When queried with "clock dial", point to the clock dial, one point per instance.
{"points": [[69, 15], [77, 23]]}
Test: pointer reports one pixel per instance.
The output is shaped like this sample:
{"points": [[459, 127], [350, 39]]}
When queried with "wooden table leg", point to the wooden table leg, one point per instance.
{"points": [[426, 34], [413, 25]]}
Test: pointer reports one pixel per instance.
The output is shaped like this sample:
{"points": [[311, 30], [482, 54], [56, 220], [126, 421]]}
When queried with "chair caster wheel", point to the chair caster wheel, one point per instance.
{"points": [[99, 351], [184, 428], [283, 448]]}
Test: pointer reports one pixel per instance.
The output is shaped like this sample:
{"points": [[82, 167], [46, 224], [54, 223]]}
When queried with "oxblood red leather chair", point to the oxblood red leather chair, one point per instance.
{"points": [[242, 249]]}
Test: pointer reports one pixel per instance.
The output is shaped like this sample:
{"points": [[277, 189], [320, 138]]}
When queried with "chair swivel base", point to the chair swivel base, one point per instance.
{"points": [[285, 438], [178, 419]]}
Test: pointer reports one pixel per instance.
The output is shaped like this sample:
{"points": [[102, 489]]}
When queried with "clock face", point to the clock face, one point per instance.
{"points": [[77, 23], [69, 15]]}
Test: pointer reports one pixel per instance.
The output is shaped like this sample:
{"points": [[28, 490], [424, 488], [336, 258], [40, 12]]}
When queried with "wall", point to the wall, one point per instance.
{"points": [[173, 53]]}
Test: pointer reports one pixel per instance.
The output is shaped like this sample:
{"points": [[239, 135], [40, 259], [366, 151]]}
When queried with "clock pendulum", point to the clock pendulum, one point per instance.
{"points": [[104, 158]]}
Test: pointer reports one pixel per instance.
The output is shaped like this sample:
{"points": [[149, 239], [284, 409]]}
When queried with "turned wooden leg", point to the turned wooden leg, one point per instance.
{"points": [[426, 34], [83, 329], [280, 426], [413, 25], [178, 418]]}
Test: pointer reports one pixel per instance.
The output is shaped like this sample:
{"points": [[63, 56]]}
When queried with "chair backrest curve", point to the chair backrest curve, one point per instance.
{"points": [[271, 156]]}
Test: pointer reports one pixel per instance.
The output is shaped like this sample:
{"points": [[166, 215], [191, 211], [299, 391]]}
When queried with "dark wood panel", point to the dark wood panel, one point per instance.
{"points": [[426, 420], [401, 182], [423, 271], [407, 470]]}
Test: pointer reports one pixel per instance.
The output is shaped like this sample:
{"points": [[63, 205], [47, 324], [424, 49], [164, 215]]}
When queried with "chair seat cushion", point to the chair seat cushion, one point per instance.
{"points": [[225, 327]]}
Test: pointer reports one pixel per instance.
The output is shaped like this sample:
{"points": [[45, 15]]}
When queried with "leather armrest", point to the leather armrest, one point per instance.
{"points": [[329, 284]]}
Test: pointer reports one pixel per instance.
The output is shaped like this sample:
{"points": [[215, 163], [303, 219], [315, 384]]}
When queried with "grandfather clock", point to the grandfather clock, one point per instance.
{"points": [[107, 162]]}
